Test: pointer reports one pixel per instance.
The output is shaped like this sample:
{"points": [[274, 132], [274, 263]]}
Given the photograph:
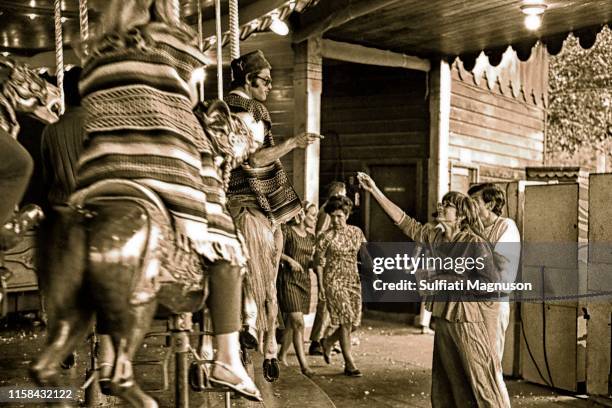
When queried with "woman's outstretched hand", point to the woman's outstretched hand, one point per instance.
{"points": [[366, 182]]}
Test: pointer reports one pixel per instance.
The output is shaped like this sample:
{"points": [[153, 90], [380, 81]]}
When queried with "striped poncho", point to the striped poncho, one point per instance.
{"points": [[267, 187], [139, 90]]}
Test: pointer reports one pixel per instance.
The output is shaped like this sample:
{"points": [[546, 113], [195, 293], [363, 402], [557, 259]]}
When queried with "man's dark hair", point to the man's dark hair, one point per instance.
{"points": [[490, 193], [71, 86], [339, 203]]}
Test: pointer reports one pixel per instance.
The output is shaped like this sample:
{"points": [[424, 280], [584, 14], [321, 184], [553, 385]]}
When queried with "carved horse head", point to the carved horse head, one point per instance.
{"points": [[23, 90]]}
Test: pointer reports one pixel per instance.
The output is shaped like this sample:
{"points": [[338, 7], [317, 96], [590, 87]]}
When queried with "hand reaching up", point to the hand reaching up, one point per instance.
{"points": [[366, 182]]}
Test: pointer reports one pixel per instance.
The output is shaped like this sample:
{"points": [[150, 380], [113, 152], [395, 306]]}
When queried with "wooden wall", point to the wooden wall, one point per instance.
{"points": [[280, 101], [372, 115], [495, 134]]}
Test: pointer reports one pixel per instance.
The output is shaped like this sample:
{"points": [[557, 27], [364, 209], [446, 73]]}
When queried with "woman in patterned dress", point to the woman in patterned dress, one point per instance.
{"points": [[336, 254], [294, 282]]}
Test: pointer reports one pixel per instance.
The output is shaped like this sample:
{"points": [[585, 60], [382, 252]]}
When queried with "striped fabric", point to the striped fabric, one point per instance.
{"points": [[294, 288], [266, 187], [139, 91]]}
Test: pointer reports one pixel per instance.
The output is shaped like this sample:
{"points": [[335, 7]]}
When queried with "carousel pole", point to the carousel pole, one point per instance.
{"points": [[59, 53], [234, 27], [219, 49], [200, 43], [83, 25], [93, 394]]}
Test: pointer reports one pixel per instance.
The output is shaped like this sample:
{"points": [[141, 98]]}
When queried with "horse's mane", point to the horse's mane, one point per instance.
{"points": [[222, 127]]}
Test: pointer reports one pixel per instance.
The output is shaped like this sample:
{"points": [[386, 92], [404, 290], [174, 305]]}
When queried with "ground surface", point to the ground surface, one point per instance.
{"points": [[395, 359]]}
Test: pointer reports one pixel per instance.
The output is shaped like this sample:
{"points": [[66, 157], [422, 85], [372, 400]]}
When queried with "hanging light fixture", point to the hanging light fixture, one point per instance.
{"points": [[533, 10], [278, 26]]}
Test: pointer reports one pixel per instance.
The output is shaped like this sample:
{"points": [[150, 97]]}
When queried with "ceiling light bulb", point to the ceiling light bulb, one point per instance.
{"points": [[278, 26], [32, 16], [6, 53], [63, 19], [533, 22]]}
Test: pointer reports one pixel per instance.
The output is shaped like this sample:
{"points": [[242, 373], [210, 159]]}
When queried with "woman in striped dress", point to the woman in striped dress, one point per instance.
{"points": [[139, 87], [294, 282]]}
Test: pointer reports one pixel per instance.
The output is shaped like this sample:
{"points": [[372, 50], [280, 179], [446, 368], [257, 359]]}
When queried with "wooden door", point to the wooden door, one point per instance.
{"points": [[399, 183]]}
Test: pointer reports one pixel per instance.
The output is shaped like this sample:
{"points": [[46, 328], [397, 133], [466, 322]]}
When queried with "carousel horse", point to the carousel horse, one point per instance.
{"points": [[22, 90], [112, 254]]}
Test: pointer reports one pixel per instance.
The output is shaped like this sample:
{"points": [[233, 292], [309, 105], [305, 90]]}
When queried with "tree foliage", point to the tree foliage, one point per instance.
{"points": [[580, 99]]}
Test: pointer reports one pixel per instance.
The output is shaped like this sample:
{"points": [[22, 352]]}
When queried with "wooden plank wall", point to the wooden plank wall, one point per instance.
{"points": [[373, 115], [497, 134], [280, 100]]}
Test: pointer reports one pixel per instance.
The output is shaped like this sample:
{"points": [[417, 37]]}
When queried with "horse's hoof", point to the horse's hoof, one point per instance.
{"points": [[197, 377], [70, 361], [133, 395], [42, 376]]}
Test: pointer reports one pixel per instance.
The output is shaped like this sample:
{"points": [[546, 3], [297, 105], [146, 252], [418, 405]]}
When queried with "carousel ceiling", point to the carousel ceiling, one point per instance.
{"points": [[449, 28], [27, 27]]}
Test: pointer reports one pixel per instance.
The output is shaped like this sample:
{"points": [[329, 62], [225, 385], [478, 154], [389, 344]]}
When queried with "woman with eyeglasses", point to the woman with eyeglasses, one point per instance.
{"points": [[464, 359]]}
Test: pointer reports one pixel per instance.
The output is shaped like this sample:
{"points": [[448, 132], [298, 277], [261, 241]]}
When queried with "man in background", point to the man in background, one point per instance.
{"points": [[61, 145], [504, 235]]}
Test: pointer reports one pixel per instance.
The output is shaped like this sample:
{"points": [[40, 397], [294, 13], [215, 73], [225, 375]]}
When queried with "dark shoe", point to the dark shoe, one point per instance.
{"points": [[271, 369], [352, 373], [315, 349], [243, 386], [248, 338], [197, 377], [326, 351]]}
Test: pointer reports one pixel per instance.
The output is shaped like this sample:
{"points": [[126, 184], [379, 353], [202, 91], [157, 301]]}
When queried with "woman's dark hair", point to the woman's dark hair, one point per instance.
{"points": [[490, 193], [339, 203]]}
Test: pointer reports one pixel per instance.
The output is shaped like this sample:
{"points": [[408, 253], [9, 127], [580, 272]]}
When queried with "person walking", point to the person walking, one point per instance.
{"points": [[294, 283], [321, 320], [337, 254]]}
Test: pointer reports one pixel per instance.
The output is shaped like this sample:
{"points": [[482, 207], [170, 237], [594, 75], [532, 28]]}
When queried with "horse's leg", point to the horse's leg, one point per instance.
{"points": [[63, 337], [118, 286], [61, 280], [125, 344]]}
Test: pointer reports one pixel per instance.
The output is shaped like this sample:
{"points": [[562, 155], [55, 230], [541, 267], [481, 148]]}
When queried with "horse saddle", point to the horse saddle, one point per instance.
{"points": [[129, 225]]}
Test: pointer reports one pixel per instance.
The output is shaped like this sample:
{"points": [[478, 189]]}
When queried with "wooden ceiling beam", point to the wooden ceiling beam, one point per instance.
{"points": [[371, 56], [340, 17], [245, 15]]}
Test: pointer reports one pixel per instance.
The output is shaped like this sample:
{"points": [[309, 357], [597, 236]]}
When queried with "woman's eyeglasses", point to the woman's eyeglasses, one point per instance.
{"points": [[446, 204], [266, 81]]}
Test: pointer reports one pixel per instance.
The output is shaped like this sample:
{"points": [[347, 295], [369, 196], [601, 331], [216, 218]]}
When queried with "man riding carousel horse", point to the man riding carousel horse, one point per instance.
{"points": [[150, 214]]}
